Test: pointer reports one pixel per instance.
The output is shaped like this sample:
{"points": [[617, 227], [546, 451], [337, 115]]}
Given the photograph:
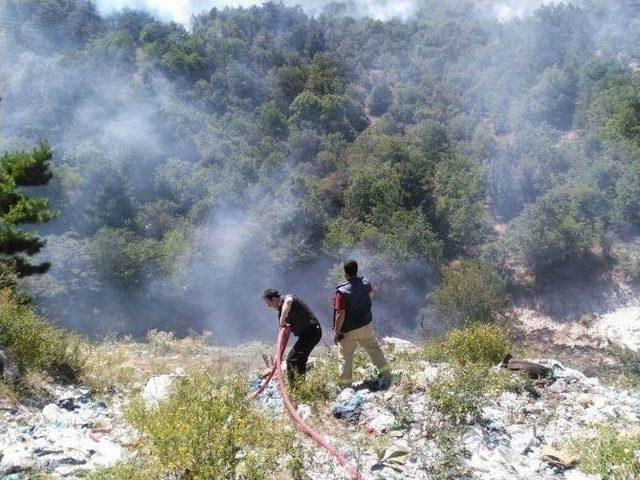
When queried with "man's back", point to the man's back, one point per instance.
{"points": [[354, 297]]}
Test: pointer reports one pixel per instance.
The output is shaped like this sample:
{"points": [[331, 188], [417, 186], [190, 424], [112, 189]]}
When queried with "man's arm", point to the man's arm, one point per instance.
{"points": [[340, 314], [286, 308]]}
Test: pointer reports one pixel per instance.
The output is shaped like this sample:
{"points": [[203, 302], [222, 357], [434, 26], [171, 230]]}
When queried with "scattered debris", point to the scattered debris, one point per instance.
{"points": [[558, 456], [348, 405], [534, 370], [394, 456], [156, 389], [65, 438]]}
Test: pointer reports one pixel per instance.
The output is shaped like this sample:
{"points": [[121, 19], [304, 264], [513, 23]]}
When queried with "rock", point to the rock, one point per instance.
{"points": [[575, 474], [534, 370], [522, 438], [303, 411], [584, 399], [398, 345], [377, 420], [60, 418], [8, 368], [156, 389], [270, 398]]}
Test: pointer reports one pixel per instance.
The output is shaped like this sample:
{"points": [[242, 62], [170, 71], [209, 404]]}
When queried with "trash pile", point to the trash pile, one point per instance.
{"points": [[519, 436], [389, 434], [70, 435]]}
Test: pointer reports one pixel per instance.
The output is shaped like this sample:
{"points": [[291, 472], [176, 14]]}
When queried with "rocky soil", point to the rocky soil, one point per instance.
{"points": [[392, 434]]}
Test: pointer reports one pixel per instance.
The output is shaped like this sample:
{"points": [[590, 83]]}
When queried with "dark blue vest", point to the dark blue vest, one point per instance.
{"points": [[358, 303]]}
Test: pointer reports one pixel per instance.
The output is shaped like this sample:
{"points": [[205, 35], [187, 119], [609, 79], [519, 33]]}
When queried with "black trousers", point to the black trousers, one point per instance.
{"points": [[299, 354]]}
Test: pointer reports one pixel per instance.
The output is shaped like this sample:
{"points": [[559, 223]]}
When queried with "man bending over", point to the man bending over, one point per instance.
{"points": [[294, 312]]}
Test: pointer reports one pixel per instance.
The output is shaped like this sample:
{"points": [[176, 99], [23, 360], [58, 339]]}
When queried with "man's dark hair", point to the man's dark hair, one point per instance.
{"points": [[351, 268], [270, 293]]}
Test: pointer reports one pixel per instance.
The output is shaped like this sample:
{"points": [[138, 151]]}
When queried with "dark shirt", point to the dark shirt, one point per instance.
{"points": [[353, 297], [300, 316]]}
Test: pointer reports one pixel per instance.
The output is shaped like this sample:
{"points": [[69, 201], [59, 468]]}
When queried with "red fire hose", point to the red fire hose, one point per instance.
{"points": [[283, 338]]}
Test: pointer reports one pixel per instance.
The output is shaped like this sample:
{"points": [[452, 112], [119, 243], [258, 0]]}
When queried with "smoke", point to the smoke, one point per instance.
{"points": [[181, 11], [125, 133], [505, 11]]}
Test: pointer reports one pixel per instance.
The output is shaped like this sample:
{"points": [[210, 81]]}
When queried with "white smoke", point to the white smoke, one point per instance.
{"points": [[506, 10], [181, 11]]}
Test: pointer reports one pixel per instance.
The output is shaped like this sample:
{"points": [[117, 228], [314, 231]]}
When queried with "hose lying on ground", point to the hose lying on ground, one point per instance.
{"points": [[283, 338]]}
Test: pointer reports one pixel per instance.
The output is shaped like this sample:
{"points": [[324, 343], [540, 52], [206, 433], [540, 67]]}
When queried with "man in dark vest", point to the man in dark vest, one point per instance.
{"points": [[352, 325], [304, 325]]}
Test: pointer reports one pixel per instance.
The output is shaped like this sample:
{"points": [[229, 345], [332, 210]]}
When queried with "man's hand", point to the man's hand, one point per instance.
{"points": [[286, 307], [336, 338]]}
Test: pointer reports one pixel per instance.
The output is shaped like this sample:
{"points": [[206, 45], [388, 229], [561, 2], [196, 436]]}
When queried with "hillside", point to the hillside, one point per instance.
{"points": [[441, 419], [162, 164]]}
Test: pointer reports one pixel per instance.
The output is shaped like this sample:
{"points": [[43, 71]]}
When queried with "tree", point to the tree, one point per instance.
{"points": [[22, 169], [380, 100], [561, 225], [470, 292]]}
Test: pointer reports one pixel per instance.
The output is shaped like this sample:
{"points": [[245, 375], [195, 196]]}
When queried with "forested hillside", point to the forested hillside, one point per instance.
{"points": [[196, 166]]}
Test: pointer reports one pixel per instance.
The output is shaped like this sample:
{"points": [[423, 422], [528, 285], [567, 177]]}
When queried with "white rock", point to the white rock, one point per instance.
{"points": [[522, 437], [575, 474], [304, 411]]}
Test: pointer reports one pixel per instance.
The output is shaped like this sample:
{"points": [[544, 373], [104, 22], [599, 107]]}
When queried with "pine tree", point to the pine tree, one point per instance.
{"points": [[22, 169]]}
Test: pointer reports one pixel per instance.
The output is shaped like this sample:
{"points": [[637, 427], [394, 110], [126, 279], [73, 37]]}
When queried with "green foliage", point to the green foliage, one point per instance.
{"points": [[459, 192], [562, 224], [374, 194], [611, 453], [35, 344], [553, 97], [626, 203], [320, 383], [470, 292], [460, 394], [431, 131], [206, 428], [381, 98], [472, 354], [272, 121], [123, 256], [22, 169], [477, 344], [113, 202], [325, 75]]}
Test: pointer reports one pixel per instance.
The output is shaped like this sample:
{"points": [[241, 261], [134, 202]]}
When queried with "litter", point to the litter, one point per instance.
{"points": [[348, 406], [394, 456], [558, 456]]}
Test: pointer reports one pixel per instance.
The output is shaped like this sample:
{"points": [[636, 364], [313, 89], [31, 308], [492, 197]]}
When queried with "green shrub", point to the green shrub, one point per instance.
{"points": [[611, 454], [560, 225], [471, 292], [461, 394], [35, 344], [206, 429], [481, 344], [320, 382]]}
